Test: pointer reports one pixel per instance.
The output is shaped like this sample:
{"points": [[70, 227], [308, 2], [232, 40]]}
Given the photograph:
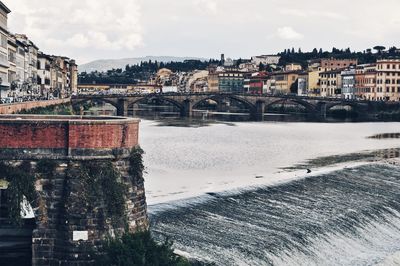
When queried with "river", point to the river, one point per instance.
{"points": [[239, 193]]}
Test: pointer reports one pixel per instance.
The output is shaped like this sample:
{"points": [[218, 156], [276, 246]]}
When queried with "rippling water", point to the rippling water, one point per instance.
{"points": [[348, 217], [238, 194]]}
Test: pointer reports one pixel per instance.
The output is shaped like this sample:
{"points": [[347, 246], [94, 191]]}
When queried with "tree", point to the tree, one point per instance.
{"points": [[379, 49]]}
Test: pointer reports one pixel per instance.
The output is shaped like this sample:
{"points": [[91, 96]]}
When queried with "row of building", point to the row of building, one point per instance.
{"points": [[26, 73], [338, 78]]}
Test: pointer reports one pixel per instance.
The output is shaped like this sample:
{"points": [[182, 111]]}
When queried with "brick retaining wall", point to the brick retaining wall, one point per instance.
{"points": [[18, 107]]}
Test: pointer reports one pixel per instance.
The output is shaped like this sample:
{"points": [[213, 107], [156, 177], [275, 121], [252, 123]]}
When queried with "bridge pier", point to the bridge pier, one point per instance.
{"points": [[260, 107], [322, 108], [187, 108], [122, 107]]}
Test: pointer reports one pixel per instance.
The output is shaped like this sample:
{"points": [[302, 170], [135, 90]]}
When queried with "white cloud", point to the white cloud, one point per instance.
{"points": [[288, 33], [94, 24], [209, 6]]}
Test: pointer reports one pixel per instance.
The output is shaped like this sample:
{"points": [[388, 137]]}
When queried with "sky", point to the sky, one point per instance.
{"points": [[88, 30]]}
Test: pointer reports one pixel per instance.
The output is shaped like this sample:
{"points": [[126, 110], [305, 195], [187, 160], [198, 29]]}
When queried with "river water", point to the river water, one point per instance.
{"points": [[239, 193]]}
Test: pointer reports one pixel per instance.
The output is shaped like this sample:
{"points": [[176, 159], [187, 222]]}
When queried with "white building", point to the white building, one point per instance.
{"points": [[349, 83], [265, 60]]}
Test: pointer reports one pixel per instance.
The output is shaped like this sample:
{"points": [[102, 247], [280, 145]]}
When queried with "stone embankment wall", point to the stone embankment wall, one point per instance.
{"points": [[13, 108], [73, 209]]}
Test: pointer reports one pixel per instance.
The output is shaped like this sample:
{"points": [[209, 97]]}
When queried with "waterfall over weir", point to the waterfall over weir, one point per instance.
{"points": [[347, 217]]}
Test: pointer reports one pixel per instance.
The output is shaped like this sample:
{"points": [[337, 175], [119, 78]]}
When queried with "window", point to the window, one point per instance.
{"points": [[3, 41]]}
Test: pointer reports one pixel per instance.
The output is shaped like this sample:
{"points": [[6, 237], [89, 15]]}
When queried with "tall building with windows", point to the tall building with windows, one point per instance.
{"points": [[388, 79], [31, 53], [231, 81], [44, 75], [4, 63], [366, 82], [348, 77], [330, 83], [12, 71]]}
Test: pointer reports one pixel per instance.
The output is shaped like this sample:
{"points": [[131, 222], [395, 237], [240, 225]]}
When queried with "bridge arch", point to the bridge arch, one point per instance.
{"points": [[175, 103], [216, 98], [310, 108], [76, 103], [353, 105]]}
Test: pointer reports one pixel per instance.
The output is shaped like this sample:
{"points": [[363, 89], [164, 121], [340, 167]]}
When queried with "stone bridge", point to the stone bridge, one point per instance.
{"points": [[256, 104]]}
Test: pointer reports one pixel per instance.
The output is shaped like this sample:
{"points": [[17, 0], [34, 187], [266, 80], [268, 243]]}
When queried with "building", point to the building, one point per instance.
{"points": [[4, 63], [293, 67], [12, 71], [283, 82], [31, 53], [330, 83], [256, 83], [248, 67], [44, 75], [63, 76], [366, 82], [118, 88], [20, 78], [231, 81], [212, 79], [197, 81], [314, 88], [333, 63], [388, 80], [302, 84], [348, 78], [265, 60]]}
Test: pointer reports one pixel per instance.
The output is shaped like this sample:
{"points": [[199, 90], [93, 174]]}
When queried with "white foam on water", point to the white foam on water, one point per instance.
{"points": [[378, 243]]}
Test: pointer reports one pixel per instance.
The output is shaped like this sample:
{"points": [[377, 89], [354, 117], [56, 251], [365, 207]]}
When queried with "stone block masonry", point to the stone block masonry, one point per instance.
{"points": [[89, 162]]}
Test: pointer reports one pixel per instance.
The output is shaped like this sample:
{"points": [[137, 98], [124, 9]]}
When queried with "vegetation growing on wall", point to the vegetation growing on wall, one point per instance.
{"points": [[140, 249], [136, 168], [21, 183], [62, 109], [102, 180]]}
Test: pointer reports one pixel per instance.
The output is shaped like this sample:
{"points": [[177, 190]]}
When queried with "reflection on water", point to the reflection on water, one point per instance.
{"points": [[386, 136], [162, 112], [370, 156]]}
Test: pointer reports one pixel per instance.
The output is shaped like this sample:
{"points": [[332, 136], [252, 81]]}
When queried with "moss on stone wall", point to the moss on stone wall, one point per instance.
{"points": [[102, 180], [21, 184], [136, 168]]}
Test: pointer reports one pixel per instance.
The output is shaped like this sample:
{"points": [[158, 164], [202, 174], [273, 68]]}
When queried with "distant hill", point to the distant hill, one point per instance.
{"points": [[108, 64]]}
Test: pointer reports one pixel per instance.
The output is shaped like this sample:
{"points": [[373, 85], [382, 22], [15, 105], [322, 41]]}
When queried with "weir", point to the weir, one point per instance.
{"points": [[81, 180]]}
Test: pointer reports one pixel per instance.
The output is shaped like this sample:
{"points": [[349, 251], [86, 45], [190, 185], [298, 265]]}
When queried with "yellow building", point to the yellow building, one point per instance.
{"points": [[388, 80], [282, 82], [314, 88], [330, 83]]}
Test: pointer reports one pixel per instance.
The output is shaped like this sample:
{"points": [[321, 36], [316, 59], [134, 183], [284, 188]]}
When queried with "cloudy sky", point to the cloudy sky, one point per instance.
{"points": [[103, 29]]}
